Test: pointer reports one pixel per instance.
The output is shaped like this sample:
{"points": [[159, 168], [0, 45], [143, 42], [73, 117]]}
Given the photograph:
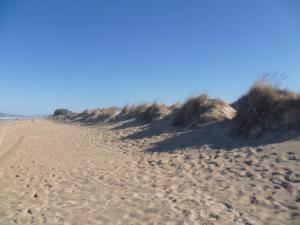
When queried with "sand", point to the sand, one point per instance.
{"points": [[121, 173]]}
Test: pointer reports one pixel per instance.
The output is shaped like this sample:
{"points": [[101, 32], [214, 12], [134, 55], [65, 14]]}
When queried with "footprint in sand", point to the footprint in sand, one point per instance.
{"points": [[254, 200]]}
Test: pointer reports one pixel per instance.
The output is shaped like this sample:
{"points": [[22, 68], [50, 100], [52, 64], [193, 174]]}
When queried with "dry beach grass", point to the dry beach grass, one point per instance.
{"points": [[266, 107], [202, 110]]}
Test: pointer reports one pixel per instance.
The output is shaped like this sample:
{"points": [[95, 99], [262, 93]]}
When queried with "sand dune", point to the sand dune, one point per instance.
{"points": [[54, 173]]}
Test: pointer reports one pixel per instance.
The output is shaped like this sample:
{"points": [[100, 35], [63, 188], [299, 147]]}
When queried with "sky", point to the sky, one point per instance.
{"points": [[81, 54]]}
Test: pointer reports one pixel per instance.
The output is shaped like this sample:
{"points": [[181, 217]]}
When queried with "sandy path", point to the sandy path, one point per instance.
{"points": [[54, 173], [2, 136]]}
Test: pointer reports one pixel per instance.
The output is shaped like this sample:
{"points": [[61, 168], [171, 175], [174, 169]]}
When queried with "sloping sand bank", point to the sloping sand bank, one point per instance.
{"points": [[52, 173]]}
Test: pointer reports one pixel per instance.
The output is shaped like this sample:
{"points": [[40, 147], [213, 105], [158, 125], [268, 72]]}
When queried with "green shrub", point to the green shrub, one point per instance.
{"points": [[62, 112]]}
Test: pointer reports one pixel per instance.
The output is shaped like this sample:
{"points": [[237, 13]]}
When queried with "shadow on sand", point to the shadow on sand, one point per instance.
{"points": [[127, 124], [216, 136]]}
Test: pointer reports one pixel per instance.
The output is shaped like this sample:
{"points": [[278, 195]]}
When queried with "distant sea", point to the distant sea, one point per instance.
{"points": [[9, 118], [12, 118]]}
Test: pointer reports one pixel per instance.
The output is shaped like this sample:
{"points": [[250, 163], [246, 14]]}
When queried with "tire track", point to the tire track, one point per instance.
{"points": [[2, 136], [13, 148]]}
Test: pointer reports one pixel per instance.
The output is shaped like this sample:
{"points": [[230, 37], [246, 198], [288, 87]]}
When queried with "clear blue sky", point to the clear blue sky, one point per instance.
{"points": [[84, 54]]}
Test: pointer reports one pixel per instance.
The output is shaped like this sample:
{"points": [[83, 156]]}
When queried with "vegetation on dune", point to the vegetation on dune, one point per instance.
{"points": [[107, 114], [62, 113], [134, 110], [145, 112], [266, 107], [202, 110], [96, 115], [176, 106], [154, 112]]}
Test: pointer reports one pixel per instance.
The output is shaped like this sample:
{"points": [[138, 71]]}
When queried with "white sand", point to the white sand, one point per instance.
{"points": [[53, 173]]}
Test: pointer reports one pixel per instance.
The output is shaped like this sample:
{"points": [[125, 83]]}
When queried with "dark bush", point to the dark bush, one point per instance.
{"points": [[62, 112]]}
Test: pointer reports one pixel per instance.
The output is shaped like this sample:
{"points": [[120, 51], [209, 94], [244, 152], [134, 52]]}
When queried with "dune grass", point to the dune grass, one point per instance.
{"points": [[266, 107], [96, 115], [154, 112], [107, 114], [145, 112], [134, 110], [202, 110]]}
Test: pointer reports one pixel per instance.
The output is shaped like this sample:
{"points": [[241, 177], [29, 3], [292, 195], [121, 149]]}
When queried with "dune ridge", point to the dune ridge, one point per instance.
{"points": [[263, 109]]}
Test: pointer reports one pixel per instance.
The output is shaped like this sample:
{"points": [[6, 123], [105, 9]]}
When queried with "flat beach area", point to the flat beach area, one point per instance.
{"points": [[57, 173]]}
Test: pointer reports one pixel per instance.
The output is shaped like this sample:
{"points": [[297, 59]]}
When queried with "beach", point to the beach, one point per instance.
{"points": [[56, 173]]}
